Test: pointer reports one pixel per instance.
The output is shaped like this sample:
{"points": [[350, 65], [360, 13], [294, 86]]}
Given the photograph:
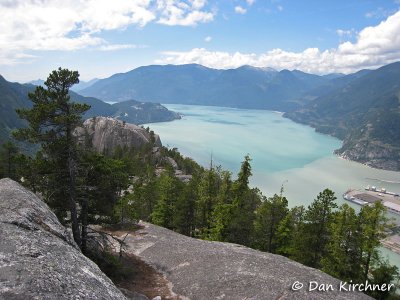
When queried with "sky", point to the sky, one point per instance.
{"points": [[102, 37]]}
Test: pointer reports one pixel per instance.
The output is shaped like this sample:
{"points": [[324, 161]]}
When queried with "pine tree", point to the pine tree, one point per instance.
{"points": [[343, 255], [245, 202], [288, 234], [169, 188], [268, 217], [315, 231], [222, 212], [207, 195], [52, 121], [8, 160], [185, 208], [372, 225]]}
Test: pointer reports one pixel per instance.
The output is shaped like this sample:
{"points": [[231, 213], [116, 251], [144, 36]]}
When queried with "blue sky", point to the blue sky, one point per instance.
{"points": [[101, 37]]}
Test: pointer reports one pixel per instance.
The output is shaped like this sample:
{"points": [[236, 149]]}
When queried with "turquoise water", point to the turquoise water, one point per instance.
{"points": [[282, 152]]}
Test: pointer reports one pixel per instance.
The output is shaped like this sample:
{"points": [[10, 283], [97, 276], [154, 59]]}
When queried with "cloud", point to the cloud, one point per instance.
{"points": [[208, 39], [182, 13], [115, 47], [374, 47], [42, 25], [346, 34], [240, 10], [250, 2], [379, 13]]}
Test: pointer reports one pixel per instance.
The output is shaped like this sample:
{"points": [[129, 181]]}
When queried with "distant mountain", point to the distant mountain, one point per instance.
{"points": [[83, 85], [244, 87], [362, 109], [331, 86], [12, 96], [15, 95], [77, 87], [38, 82]]}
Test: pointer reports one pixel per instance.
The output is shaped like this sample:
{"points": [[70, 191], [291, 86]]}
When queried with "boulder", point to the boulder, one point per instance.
{"points": [[38, 256]]}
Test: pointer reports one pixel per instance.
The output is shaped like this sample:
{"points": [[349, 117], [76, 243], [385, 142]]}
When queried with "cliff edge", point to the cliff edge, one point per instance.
{"points": [[38, 257], [199, 269]]}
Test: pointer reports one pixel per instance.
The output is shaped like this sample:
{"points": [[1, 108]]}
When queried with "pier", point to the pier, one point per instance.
{"points": [[370, 195]]}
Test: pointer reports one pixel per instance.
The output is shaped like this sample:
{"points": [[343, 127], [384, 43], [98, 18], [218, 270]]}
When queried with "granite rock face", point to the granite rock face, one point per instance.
{"points": [[371, 153], [199, 269], [38, 257], [106, 134]]}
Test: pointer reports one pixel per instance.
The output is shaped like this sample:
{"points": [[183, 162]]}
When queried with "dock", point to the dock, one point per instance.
{"points": [[392, 243], [370, 195]]}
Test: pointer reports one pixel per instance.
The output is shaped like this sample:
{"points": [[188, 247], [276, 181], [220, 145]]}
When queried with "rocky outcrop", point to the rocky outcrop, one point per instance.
{"points": [[372, 153], [107, 133], [38, 257], [201, 269]]}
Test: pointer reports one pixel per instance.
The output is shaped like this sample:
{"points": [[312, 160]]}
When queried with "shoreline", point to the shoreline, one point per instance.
{"points": [[283, 115]]}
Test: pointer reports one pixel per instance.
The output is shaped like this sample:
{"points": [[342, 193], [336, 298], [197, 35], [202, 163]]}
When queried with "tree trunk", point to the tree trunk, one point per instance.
{"points": [[84, 215], [72, 201]]}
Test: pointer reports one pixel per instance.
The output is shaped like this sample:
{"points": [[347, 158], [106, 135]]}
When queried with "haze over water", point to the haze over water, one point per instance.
{"points": [[282, 152]]}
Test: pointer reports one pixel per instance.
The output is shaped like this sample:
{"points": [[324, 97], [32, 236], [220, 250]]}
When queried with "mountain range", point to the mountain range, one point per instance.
{"points": [[14, 95], [76, 88], [244, 87], [364, 112], [362, 108]]}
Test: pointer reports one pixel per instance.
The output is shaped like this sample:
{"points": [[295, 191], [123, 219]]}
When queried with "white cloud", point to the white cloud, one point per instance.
{"points": [[240, 10], [115, 47], [27, 25], [250, 2], [374, 47], [181, 13], [342, 32], [346, 34], [208, 39]]}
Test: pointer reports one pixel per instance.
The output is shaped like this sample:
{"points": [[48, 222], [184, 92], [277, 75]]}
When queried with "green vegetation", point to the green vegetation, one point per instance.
{"points": [[363, 112], [84, 187], [14, 96]]}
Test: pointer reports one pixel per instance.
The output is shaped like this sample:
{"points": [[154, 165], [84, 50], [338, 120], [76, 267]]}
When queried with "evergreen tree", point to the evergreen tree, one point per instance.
{"points": [[52, 121], [288, 234], [8, 160], [343, 250], [316, 230], [222, 212], [268, 217], [185, 208], [207, 195], [169, 188], [372, 225], [383, 274], [245, 202]]}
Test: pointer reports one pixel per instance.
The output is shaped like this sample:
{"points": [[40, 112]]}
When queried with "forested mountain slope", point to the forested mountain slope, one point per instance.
{"points": [[365, 113], [15, 95]]}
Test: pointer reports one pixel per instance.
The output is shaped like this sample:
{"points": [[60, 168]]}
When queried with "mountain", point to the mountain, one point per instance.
{"points": [[364, 111], [15, 95], [77, 87], [244, 87], [38, 82], [12, 96], [83, 84]]}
